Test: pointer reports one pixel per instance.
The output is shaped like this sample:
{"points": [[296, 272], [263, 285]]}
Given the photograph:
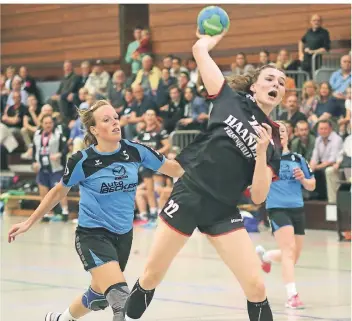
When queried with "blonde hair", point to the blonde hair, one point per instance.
{"points": [[306, 84], [244, 82], [88, 120]]}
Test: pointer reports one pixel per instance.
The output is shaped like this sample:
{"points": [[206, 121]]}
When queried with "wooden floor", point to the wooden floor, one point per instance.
{"points": [[41, 272]]}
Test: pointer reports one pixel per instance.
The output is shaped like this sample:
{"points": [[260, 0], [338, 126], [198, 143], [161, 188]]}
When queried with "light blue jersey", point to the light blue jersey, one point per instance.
{"points": [[286, 192], [108, 183]]}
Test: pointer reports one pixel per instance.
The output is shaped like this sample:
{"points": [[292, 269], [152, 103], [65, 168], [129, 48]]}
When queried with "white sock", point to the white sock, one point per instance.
{"points": [[291, 290], [64, 210], [66, 316], [266, 257], [153, 210]]}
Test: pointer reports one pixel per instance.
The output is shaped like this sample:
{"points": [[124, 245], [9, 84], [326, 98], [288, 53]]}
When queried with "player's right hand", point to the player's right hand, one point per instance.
{"points": [[18, 229], [210, 41]]}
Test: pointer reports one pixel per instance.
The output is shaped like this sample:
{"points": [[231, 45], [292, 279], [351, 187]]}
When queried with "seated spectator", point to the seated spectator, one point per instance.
{"points": [[148, 77], [340, 80], [344, 122], [49, 159], [176, 67], [82, 98], [98, 81], [326, 150], [310, 98], [155, 137], [132, 47], [167, 62], [304, 141], [4, 92], [293, 115], [185, 82], [264, 59], [30, 120], [76, 136], [145, 45], [29, 84], [285, 62], [343, 163], [61, 100], [316, 40], [242, 67], [16, 87], [162, 93], [172, 112], [194, 107], [193, 70], [327, 107], [116, 88], [290, 132], [10, 74], [13, 114], [80, 83]]}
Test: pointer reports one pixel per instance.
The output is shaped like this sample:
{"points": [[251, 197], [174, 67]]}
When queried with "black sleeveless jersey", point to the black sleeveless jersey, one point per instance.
{"points": [[221, 160], [152, 138]]}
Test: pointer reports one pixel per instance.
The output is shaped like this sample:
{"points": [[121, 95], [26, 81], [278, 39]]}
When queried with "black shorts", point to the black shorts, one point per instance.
{"points": [[280, 217], [188, 209], [97, 246]]}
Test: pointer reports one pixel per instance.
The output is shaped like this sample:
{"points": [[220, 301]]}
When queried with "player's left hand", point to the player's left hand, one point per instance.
{"points": [[298, 174]]}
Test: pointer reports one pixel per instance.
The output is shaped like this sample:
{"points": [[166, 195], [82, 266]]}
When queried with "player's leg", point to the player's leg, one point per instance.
{"points": [[141, 202], [237, 251], [149, 185]]}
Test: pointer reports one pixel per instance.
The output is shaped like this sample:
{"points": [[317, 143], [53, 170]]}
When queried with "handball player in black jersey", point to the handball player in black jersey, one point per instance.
{"points": [[240, 147], [156, 138]]}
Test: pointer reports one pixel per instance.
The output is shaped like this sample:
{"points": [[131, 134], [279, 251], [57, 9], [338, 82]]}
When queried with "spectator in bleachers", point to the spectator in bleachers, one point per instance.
{"points": [[116, 90], [264, 59], [98, 81], [184, 81], [310, 98], [132, 47], [194, 107], [345, 122], [326, 149], [340, 80], [327, 107], [284, 61], [293, 115], [16, 87], [316, 40], [162, 93], [10, 74], [242, 67], [82, 98], [343, 162], [80, 83], [167, 62], [304, 141], [148, 77], [172, 112], [67, 86], [290, 132], [30, 120], [145, 45], [176, 67], [14, 113], [4, 92], [29, 84], [49, 158], [193, 70]]}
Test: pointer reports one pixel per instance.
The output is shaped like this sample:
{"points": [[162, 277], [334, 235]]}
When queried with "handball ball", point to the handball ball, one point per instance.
{"points": [[212, 21]]}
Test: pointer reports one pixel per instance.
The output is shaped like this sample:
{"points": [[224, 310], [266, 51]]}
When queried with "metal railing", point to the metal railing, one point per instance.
{"points": [[299, 76], [181, 138], [326, 60], [323, 74]]}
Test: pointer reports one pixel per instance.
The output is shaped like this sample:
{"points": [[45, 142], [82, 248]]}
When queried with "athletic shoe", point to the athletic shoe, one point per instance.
{"points": [[266, 266], [59, 218], [140, 220], [152, 223], [53, 316], [294, 303], [47, 218]]}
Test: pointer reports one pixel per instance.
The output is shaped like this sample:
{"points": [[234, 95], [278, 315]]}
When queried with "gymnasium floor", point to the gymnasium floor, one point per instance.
{"points": [[41, 272]]}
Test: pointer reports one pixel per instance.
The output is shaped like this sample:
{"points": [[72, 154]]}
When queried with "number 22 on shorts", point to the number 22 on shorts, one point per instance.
{"points": [[171, 208]]}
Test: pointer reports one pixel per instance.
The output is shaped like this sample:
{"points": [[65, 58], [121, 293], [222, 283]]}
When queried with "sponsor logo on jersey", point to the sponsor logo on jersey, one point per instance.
{"points": [[119, 186], [98, 162], [119, 172]]}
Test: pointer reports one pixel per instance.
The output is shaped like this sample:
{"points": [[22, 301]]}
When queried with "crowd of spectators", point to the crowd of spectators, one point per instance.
{"points": [[155, 100]]}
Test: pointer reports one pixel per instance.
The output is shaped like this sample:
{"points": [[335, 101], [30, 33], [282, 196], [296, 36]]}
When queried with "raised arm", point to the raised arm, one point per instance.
{"points": [[212, 76]]}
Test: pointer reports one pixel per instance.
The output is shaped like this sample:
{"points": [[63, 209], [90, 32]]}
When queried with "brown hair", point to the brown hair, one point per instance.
{"points": [[244, 82], [88, 120]]}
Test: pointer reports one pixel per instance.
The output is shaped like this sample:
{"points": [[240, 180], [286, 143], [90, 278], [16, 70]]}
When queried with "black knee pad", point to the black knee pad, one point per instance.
{"points": [[117, 295], [138, 301]]}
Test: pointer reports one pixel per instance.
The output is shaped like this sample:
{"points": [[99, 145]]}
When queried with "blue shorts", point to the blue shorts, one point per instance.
{"points": [[49, 179]]}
